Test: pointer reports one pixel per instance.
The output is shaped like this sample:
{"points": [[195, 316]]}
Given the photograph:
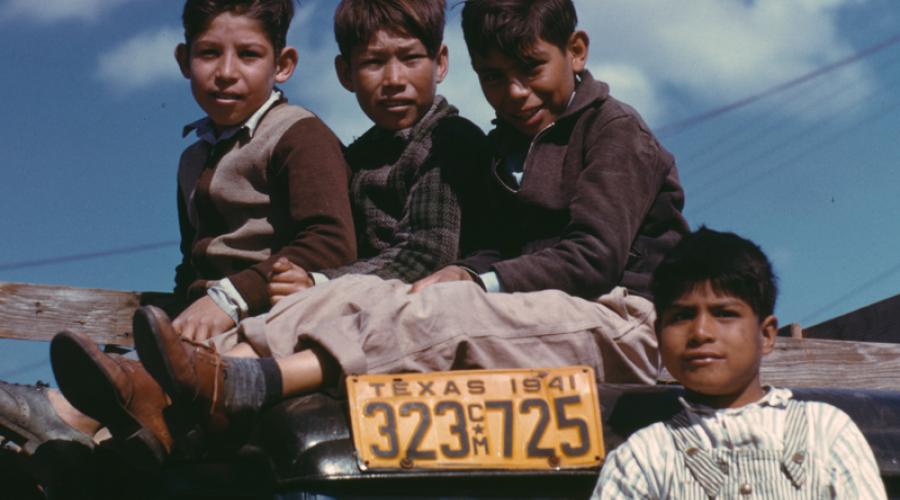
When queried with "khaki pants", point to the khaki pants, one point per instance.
{"points": [[371, 325]]}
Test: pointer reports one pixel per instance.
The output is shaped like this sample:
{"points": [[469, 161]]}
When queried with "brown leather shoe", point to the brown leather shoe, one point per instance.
{"points": [[191, 373], [116, 391]]}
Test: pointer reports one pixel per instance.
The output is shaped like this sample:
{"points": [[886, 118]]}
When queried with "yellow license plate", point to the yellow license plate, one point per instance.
{"points": [[477, 419]]}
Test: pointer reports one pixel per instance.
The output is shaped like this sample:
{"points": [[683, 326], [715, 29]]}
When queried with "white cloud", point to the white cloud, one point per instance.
{"points": [[710, 51], [50, 11], [143, 60], [632, 85], [714, 50]]}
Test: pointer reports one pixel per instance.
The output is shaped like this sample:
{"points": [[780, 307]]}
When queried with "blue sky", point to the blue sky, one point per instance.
{"points": [[93, 107]]}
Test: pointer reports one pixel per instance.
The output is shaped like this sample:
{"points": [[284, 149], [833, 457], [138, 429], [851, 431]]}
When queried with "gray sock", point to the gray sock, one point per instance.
{"points": [[244, 387]]}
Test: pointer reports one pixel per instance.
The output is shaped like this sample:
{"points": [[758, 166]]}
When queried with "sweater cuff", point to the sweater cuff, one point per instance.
{"points": [[253, 288], [490, 282], [475, 277], [226, 296]]}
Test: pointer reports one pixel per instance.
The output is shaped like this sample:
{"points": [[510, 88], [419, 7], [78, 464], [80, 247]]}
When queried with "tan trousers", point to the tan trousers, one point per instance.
{"points": [[371, 325]]}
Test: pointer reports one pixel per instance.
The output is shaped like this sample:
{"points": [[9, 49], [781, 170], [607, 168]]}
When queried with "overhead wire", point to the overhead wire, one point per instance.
{"points": [[680, 126], [852, 293], [23, 264], [792, 140], [748, 132], [829, 140]]}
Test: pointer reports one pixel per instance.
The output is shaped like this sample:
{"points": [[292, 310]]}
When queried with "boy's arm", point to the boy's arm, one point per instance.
{"points": [[185, 274], [623, 476], [309, 180], [623, 175], [430, 238], [854, 471]]}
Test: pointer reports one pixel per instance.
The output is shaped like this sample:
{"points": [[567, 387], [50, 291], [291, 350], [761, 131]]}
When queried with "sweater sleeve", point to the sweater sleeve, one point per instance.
{"points": [[621, 178], [185, 274], [429, 234], [309, 187]]}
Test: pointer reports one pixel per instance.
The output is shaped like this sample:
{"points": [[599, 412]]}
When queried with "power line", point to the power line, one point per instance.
{"points": [[680, 126], [852, 293], [747, 133], [793, 161], [787, 141], [11, 266]]}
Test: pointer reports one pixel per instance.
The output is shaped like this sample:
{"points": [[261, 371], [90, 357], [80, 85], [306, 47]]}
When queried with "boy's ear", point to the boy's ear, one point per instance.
{"points": [[769, 330], [342, 68], [285, 64], [183, 57], [578, 46], [443, 63]]}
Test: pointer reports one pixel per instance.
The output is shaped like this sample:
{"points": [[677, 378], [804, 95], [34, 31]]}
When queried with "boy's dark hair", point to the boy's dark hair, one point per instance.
{"points": [[513, 27], [356, 21], [733, 265], [274, 15]]}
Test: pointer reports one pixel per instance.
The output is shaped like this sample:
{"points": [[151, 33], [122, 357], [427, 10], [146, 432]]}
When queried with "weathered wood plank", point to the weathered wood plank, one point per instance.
{"points": [[38, 312], [829, 363]]}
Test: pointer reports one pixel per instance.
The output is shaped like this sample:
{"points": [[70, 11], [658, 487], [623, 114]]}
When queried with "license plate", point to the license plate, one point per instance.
{"points": [[479, 419]]}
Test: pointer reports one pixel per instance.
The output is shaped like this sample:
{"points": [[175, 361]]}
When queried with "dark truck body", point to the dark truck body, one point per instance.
{"points": [[303, 448]]}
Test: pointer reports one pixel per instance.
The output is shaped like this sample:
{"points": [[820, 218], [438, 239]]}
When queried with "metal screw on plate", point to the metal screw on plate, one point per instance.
{"points": [[406, 463], [553, 461]]}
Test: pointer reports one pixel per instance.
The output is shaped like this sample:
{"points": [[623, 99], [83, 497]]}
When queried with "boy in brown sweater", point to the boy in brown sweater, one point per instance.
{"points": [[266, 180]]}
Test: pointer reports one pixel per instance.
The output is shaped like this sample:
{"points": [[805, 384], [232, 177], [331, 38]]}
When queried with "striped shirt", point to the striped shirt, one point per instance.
{"points": [[655, 462]]}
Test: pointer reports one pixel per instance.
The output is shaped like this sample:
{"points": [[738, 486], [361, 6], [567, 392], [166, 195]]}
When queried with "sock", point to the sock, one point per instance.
{"points": [[251, 383]]}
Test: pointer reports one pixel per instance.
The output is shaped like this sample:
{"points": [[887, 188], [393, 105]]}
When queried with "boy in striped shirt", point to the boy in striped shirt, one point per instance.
{"points": [[715, 297]]}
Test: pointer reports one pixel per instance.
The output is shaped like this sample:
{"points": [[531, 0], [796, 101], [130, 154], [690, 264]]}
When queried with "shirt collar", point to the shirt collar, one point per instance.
{"points": [[775, 397], [206, 132]]}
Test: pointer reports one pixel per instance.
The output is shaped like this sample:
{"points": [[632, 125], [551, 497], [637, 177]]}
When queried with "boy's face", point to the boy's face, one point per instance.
{"points": [[532, 96], [233, 68], [713, 345], [393, 77]]}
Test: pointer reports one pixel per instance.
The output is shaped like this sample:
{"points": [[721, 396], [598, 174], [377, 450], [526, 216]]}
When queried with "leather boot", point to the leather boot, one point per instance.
{"points": [[191, 373], [116, 391]]}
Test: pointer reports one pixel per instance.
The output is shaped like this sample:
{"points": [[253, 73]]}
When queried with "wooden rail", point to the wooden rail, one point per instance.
{"points": [[37, 312], [798, 362]]}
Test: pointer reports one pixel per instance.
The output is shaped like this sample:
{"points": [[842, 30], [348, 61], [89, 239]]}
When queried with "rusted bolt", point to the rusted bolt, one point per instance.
{"points": [[553, 461], [406, 463]]}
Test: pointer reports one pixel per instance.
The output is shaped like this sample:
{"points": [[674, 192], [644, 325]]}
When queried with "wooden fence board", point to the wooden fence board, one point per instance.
{"points": [[829, 363], [38, 312]]}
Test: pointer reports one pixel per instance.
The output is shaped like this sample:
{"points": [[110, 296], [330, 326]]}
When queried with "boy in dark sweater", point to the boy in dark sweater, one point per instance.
{"points": [[408, 170], [584, 204]]}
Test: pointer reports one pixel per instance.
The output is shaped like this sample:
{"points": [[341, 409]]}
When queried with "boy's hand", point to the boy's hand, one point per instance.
{"points": [[201, 320], [286, 279], [449, 273]]}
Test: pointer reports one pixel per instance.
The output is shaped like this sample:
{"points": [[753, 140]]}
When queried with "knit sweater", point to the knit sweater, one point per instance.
{"points": [[407, 189], [248, 200], [598, 206]]}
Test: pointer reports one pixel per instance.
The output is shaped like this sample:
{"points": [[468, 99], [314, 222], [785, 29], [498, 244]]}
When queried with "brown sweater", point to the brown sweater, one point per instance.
{"points": [[599, 204], [248, 200]]}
